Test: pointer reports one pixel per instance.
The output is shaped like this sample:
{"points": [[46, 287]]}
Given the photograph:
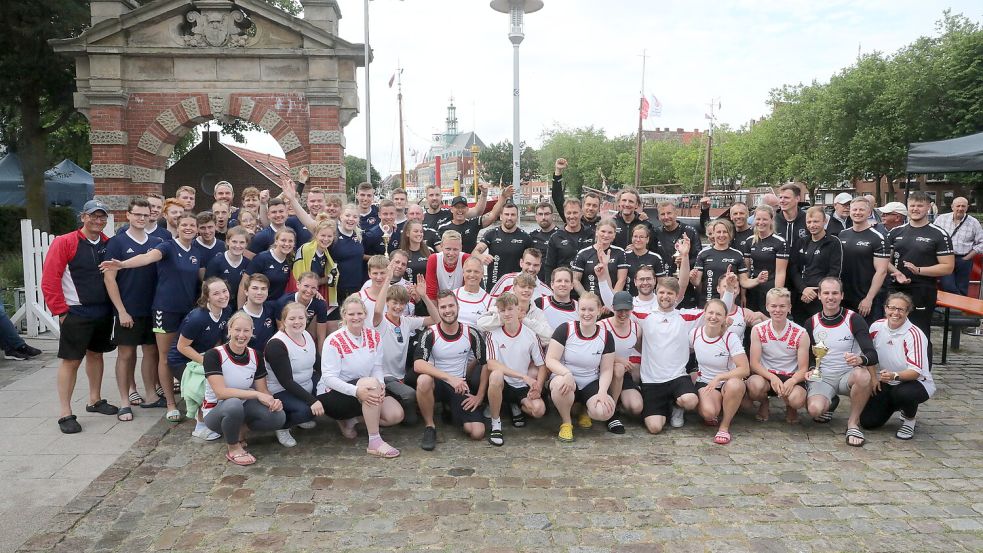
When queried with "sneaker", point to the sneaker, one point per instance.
{"points": [[205, 433], [429, 441], [15, 355], [584, 421], [29, 351], [566, 433], [308, 425], [285, 439], [615, 426], [678, 417]]}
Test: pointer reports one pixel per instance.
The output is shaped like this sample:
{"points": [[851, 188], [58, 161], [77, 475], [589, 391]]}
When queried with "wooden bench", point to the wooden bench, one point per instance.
{"points": [[970, 314]]}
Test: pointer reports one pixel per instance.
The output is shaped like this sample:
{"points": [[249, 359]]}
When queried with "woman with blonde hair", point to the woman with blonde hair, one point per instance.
{"points": [[315, 256], [715, 261], [766, 258]]}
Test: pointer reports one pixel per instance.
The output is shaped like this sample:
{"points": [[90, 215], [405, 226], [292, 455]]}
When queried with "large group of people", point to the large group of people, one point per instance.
{"points": [[291, 307]]}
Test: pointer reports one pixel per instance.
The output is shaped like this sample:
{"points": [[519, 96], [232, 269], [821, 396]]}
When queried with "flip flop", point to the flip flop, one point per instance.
{"points": [[125, 412], [722, 438], [135, 398], [828, 415], [243, 459], [384, 450]]}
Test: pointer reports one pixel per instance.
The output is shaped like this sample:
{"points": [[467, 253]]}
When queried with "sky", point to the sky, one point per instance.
{"points": [[581, 62]]}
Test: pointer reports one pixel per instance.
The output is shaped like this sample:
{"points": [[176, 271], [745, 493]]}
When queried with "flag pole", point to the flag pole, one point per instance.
{"points": [[638, 139], [402, 149]]}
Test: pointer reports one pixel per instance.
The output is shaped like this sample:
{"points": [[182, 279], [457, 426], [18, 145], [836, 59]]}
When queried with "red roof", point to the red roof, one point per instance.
{"points": [[270, 166]]}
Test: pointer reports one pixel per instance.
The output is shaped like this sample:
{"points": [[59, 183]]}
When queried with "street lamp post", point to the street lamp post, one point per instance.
{"points": [[516, 9], [368, 108]]}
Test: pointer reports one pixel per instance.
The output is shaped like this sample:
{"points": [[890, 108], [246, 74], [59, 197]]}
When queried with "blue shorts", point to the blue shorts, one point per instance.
{"points": [[166, 322]]}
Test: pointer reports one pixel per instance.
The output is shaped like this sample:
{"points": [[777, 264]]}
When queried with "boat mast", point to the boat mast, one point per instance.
{"points": [[638, 139], [402, 150], [709, 157]]}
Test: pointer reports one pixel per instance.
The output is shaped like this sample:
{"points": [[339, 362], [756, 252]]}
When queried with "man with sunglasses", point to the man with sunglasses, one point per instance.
{"points": [[395, 332]]}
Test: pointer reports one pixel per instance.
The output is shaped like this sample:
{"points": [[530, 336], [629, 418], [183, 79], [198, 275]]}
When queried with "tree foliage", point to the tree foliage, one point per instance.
{"points": [[495, 162], [355, 174]]}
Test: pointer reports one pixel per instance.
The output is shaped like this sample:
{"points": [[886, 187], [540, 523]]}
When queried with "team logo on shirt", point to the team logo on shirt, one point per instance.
{"points": [[768, 249], [923, 239], [803, 233], [268, 323], [194, 259], [865, 244], [129, 250]]}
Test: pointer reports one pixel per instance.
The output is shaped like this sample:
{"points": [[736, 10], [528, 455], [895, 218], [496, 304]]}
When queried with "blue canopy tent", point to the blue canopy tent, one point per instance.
{"points": [[65, 184], [955, 155]]}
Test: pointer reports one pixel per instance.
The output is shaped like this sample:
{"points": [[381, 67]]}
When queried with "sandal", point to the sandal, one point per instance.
{"points": [[159, 390], [173, 416], [135, 398], [160, 403], [125, 414], [519, 420], [722, 438], [384, 450], [828, 415], [855, 433], [102, 407], [496, 438], [243, 459], [907, 430]]}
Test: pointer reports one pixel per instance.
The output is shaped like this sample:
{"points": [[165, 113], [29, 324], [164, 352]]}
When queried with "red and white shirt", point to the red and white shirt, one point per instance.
{"points": [[346, 357], [903, 348], [507, 282], [471, 306], [624, 346], [779, 349], [516, 351], [714, 356]]}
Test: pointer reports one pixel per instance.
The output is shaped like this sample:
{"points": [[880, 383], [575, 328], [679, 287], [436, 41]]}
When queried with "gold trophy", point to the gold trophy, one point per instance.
{"points": [[819, 350], [387, 233]]}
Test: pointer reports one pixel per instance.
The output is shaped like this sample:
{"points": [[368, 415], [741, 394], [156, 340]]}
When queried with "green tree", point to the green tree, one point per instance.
{"points": [[36, 88], [496, 162], [592, 156], [355, 174], [656, 163]]}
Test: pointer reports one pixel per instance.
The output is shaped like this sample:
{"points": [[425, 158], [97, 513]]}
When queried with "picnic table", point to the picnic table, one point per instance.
{"points": [[949, 301]]}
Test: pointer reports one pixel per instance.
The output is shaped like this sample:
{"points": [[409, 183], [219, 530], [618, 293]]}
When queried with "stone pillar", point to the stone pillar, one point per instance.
{"points": [[323, 13], [327, 148], [110, 155]]}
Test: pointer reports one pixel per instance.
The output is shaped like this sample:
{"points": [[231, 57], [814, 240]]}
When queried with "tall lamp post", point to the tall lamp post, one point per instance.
{"points": [[516, 9], [368, 108]]}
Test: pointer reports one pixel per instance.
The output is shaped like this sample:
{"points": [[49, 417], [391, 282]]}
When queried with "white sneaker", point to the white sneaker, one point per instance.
{"points": [[285, 439], [677, 419], [206, 434], [308, 425]]}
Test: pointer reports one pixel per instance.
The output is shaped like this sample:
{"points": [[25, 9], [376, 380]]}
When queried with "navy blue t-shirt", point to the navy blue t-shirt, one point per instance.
{"points": [[207, 253], [370, 219], [277, 271], [220, 267], [162, 233], [317, 309], [262, 240], [302, 234], [203, 330], [264, 326], [374, 245], [347, 252], [136, 286], [177, 278]]}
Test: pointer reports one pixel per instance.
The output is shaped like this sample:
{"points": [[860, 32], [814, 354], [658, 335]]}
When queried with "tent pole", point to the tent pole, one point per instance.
{"points": [[907, 187]]}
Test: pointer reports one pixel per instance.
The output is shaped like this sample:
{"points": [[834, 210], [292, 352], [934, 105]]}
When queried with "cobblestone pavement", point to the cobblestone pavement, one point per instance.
{"points": [[775, 488]]}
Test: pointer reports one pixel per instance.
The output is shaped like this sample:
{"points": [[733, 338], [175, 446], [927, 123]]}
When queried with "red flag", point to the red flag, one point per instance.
{"points": [[645, 109], [392, 80]]}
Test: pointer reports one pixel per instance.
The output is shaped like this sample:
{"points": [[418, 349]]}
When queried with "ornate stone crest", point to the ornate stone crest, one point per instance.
{"points": [[217, 23]]}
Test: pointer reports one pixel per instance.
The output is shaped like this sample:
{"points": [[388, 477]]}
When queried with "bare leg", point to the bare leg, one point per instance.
{"points": [[126, 360], [710, 402], [424, 398], [496, 385], [817, 405], [67, 374], [597, 411], [148, 370], [631, 401], [563, 402], [164, 376], [392, 412], [617, 382], [93, 370], [860, 387], [655, 423], [535, 408], [733, 393], [371, 413], [475, 430]]}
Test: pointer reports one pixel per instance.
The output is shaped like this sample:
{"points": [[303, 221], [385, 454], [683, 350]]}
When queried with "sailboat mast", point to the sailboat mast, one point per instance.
{"points": [[638, 139], [402, 149], [709, 159]]}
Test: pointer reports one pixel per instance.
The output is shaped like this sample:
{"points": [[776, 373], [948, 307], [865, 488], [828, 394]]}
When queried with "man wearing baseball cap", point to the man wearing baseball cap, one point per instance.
{"points": [[893, 214], [469, 228], [840, 218], [75, 292]]}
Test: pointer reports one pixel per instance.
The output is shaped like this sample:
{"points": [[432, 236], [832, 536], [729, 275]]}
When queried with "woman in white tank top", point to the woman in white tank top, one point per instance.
{"points": [[291, 357], [723, 367], [779, 359]]}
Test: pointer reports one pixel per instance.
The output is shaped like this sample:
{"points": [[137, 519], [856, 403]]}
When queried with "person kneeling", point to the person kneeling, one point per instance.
{"points": [[516, 366], [581, 358], [353, 382], [723, 367], [442, 359]]}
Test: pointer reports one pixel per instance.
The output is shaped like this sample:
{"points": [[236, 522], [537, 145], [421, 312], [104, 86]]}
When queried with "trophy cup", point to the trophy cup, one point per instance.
{"points": [[387, 233], [819, 350]]}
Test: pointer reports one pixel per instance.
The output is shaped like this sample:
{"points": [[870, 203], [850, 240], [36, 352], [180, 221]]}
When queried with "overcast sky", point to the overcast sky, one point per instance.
{"points": [[581, 61]]}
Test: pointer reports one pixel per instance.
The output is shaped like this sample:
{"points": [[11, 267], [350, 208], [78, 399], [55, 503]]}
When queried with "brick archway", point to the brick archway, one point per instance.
{"points": [[292, 77]]}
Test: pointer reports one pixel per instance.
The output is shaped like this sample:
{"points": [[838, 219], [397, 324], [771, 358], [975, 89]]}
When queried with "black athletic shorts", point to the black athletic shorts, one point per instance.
{"points": [[783, 378], [659, 399], [78, 335], [700, 385], [443, 393], [140, 334], [581, 395], [514, 396], [629, 382], [340, 406]]}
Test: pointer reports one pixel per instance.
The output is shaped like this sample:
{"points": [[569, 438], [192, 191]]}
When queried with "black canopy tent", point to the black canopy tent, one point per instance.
{"points": [[955, 155]]}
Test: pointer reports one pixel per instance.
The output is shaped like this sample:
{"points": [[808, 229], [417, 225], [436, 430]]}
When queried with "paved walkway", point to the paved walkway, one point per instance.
{"points": [[773, 489], [42, 468]]}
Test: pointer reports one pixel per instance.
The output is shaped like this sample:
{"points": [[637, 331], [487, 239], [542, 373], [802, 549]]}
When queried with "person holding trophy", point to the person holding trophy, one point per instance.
{"points": [[845, 360]]}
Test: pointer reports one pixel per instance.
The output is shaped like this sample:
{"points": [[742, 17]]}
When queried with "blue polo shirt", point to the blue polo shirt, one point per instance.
{"points": [[204, 331]]}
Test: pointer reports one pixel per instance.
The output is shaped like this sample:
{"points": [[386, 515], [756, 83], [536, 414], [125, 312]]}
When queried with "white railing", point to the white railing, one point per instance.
{"points": [[34, 248]]}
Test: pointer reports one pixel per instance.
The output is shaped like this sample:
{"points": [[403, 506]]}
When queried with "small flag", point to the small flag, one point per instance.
{"points": [[392, 80], [656, 107], [644, 109]]}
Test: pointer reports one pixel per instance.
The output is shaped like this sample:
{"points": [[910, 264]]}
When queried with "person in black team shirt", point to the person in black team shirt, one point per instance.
{"points": [[590, 208], [638, 256], [541, 236], [569, 240], [436, 215], [840, 220], [414, 212], [815, 258], [469, 228], [664, 243], [865, 262], [714, 261], [737, 214], [501, 248], [920, 253], [790, 223], [584, 278], [766, 258], [627, 218]]}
